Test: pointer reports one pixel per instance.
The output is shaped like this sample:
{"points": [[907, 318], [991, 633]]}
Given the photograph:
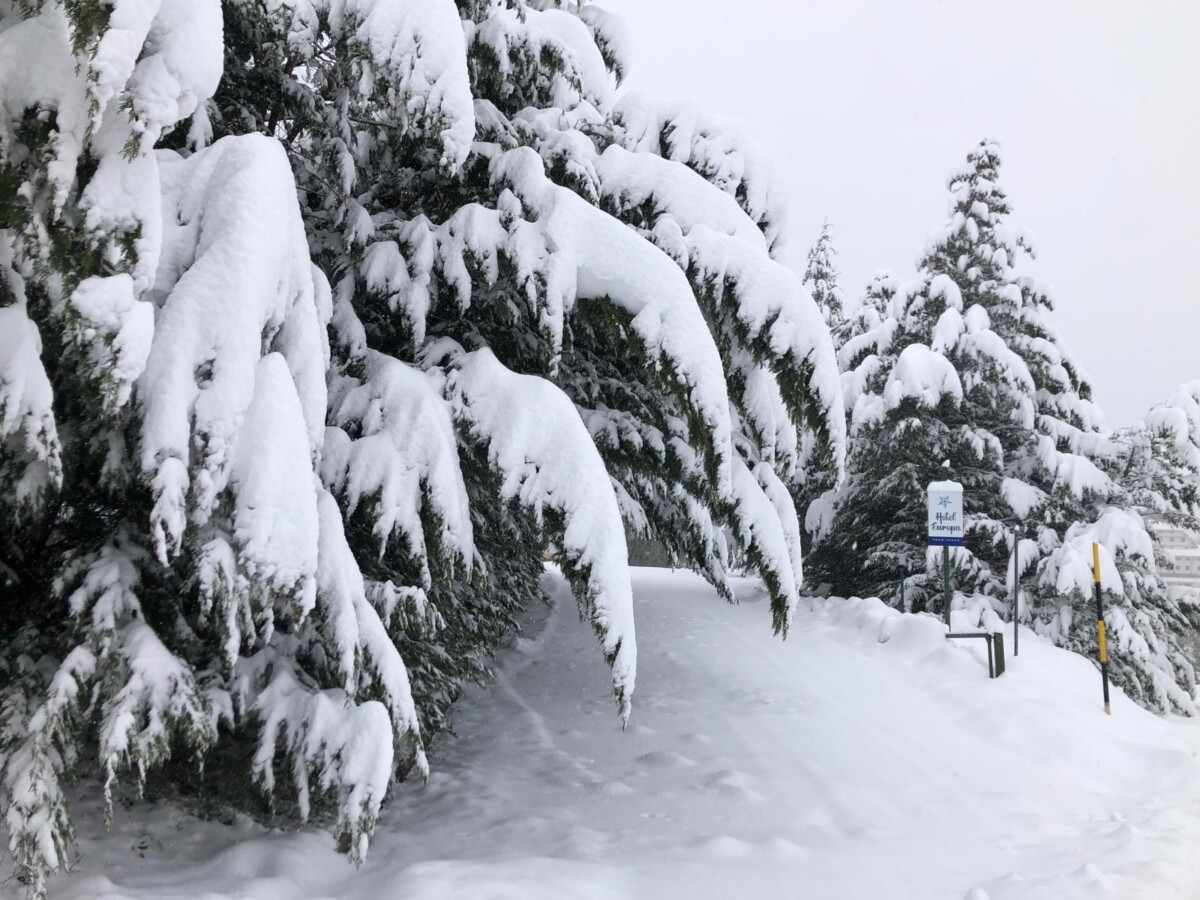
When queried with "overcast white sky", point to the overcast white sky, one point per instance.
{"points": [[867, 105]]}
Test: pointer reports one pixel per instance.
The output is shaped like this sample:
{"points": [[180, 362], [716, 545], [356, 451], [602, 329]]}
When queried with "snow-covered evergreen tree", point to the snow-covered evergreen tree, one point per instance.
{"points": [[246, 511], [812, 478], [1156, 461], [937, 393], [821, 278], [911, 423], [1155, 469], [548, 136], [963, 375]]}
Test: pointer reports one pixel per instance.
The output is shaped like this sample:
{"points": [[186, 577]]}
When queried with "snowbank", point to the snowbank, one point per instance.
{"points": [[865, 757]]}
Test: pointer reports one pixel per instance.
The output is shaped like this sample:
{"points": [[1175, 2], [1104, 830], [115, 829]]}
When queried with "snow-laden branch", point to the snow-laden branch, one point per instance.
{"points": [[514, 35], [415, 51], [28, 431], [403, 459], [581, 253], [235, 276], [716, 148], [548, 463]]}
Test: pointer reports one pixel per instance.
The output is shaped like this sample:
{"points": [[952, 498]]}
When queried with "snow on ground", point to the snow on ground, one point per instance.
{"points": [[865, 757]]}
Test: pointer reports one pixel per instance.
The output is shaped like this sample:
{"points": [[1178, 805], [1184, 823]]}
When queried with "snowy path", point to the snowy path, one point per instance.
{"points": [[827, 766]]}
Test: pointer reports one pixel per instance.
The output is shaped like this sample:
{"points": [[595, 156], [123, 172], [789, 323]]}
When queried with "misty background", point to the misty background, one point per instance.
{"points": [[866, 106]]}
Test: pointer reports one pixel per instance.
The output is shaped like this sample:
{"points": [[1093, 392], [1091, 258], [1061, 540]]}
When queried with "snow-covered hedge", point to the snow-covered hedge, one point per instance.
{"points": [[305, 365]]}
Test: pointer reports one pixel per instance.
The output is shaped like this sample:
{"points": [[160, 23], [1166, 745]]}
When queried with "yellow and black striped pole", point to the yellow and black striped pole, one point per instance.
{"points": [[1100, 628]]}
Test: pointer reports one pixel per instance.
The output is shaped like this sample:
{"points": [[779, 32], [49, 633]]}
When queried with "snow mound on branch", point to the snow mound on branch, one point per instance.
{"points": [[37, 68], [606, 260], [1022, 497], [635, 179], [549, 463], [718, 149], [415, 49], [924, 375], [1075, 472], [236, 276], [116, 329], [585, 77], [1119, 532], [405, 456], [163, 57], [948, 331], [612, 37], [154, 65], [275, 506], [27, 424]]}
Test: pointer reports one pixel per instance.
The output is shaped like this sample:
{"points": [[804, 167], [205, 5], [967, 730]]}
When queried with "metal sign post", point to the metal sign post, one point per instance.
{"points": [[1016, 588], [1100, 635], [944, 528]]}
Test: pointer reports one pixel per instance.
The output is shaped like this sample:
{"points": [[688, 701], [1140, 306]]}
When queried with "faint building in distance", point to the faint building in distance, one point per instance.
{"points": [[1181, 549]]}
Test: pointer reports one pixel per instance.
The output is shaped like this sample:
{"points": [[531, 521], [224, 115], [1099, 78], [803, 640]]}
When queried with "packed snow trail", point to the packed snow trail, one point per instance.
{"points": [[864, 757]]}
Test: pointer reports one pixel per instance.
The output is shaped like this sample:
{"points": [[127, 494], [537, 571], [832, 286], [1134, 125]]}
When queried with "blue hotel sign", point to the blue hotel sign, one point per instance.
{"points": [[945, 523]]}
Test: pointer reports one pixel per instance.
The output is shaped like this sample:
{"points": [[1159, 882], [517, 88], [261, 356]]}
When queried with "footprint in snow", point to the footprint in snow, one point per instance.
{"points": [[665, 759], [723, 846], [732, 783], [782, 848], [615, 789]]}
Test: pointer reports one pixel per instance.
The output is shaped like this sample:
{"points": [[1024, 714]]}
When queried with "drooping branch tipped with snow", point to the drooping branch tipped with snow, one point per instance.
{"points": [[715, 148], [332, 741], [606, 261], [30, 452], [549, 464], [403, 460], [781, 371]]}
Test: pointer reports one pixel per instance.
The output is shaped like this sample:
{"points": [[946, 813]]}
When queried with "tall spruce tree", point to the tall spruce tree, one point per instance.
{"points": [[279, 475], [821, 278], [918, 376], [936, 385], [998, 403], [812, 479]]}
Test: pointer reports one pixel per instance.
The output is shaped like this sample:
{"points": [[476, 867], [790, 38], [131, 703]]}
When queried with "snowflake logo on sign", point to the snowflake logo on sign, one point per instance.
{"points": [[943, 501]]}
